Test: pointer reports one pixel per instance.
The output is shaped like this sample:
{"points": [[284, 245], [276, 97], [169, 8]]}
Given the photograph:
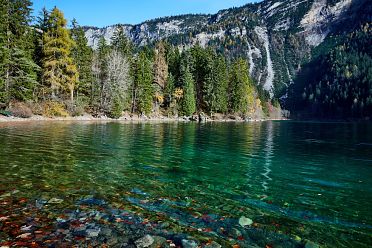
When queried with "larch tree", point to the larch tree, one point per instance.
{"points": [[160, 66], [59, 70]]}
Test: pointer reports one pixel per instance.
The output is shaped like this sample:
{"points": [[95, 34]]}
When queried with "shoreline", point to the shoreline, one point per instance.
{"points": [[89, 118]]}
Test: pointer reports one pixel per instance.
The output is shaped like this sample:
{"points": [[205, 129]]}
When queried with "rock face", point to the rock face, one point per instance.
{"points": [[276, 36]]}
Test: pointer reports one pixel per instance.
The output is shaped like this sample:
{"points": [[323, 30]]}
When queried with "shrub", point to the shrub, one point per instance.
{"points": [[54, 109], [77, 108], [20, 109], [116, 110]]}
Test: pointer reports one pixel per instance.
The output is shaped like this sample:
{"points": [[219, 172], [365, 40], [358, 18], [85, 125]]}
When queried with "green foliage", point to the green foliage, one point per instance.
{"points": [[143, 78], [18, 70], [338, 84], [122, 43], [82, 55], [241, 88], [116, 109], [188, 105], [216, 84]]}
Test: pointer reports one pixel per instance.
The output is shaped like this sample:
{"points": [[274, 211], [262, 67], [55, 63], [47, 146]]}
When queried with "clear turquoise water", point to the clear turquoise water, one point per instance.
{"points": [[296, 180]]}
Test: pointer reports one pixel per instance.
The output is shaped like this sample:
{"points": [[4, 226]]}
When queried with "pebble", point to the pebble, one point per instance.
{"points": [[189, 243], [24, 236], [145, 241], [213, 244], [244, 221], [236, 233], [93, 232], [159, 241], [26, 228], [55, 201]]}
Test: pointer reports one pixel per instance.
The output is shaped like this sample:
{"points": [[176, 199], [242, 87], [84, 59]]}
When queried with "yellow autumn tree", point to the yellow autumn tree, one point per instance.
{"points": [[59, 71]]}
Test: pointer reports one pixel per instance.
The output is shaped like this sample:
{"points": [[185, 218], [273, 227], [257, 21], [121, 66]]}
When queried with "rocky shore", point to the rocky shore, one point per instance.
{"points": [[136, 118]]}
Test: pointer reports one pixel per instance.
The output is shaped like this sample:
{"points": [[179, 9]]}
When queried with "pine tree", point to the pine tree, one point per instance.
{"points": [[59, 70], [169, 89], [188, 105], [216, 84], [121, 43], [242, 90], [174, 59], [4, 51], [209, 82], [143, 79], [83, 58], [19, 68], [101, 72]]}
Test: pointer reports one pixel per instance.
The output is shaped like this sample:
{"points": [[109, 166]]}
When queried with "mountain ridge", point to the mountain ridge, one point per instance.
{"points": [[276, 37]]}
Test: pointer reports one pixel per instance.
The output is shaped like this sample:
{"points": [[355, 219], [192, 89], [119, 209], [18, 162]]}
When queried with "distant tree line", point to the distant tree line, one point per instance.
{"points": [[337, 84], [51, 66]]}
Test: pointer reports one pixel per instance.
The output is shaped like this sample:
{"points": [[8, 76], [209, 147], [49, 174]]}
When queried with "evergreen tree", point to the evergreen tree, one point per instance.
{"points": [[188, 105], [83, 58], [169, 89], [174, 60], [216, 84], [100, 71], [59, 70], [4, 51], [19, 69], [241, 88], [143, 79], [121, 43]]}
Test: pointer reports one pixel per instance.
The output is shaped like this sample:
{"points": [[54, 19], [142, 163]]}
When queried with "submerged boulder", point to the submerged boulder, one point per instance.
{"points": [[244, 221], [145, 241]]}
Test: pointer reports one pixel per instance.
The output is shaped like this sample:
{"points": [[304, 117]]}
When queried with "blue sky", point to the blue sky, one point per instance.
{"points": [[107, 12]]}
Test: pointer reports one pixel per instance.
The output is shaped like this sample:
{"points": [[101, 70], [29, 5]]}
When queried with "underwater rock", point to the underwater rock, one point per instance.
{"points": [[236, 233], [310, 244], [145, 241], [93, 232], [55, 201], [213, 244], [159, 242], [243, 221], [189, 243]]}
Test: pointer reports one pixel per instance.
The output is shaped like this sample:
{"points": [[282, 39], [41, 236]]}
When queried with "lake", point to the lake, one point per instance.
{"points": [[269, 184]]}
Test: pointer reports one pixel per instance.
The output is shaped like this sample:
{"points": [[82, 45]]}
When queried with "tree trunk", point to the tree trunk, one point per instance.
{"points": [[72, 95]]}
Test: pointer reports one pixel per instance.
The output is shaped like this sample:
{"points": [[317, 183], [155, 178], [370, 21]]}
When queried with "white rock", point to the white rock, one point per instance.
{"points": [[244, 221]]}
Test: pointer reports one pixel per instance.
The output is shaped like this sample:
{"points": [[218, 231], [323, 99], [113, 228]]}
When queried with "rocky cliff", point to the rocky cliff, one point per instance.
{"points": [[275, 36]]}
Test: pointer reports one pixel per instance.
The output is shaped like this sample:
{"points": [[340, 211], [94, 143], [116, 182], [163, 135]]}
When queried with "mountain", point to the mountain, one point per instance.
{"points": [[277, 37]]}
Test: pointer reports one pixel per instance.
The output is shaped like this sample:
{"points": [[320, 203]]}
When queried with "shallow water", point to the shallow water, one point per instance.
{"points": [[299, 182]]}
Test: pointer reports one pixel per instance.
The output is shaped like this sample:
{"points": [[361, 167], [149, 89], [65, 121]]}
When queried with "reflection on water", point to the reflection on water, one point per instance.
{"points": [[298, 182], [268, 157]]}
